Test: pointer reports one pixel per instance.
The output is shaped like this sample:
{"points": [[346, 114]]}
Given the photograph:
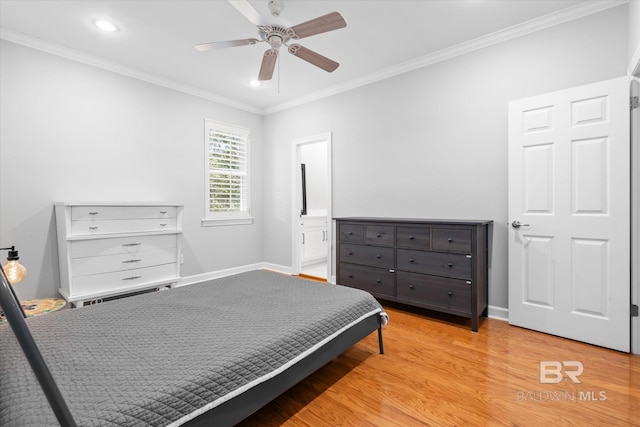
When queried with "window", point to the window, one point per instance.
{"points": [[227, 174]]}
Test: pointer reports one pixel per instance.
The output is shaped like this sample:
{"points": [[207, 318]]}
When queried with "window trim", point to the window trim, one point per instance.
{"points": [[226, 218]]}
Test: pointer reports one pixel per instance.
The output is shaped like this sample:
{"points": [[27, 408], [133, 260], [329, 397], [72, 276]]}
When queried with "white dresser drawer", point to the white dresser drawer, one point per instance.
{"points": [[112, 226], [116, 281], [121, 262], [122, 245], [121, 212]]}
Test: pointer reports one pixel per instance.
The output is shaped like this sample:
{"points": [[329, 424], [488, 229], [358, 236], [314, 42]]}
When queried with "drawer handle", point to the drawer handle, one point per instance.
{"points": [[350, 233], [450, 293], [131, 261], [132, 278], [163, 225], [132, 244], [450, 239], [350, 276], [93, 228], [450, 265], [378, 256], [378, 280], [411, 238], [379, 235], [350, 253], [163, 212], [411, 260], [93, 213], [411, 287]]}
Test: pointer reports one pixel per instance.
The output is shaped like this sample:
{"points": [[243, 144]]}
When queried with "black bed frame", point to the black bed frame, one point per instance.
{"points": [[227, 413]]}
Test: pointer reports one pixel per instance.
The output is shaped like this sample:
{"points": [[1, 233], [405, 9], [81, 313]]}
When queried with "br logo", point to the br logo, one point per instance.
{"points": [[553, 372]]}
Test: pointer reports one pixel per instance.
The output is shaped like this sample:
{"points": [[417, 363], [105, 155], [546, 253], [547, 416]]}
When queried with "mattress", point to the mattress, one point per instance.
{"points": [[162, 359]]}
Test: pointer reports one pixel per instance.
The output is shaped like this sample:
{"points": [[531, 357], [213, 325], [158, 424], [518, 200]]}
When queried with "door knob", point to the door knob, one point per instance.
{"points": [[517, 224]]}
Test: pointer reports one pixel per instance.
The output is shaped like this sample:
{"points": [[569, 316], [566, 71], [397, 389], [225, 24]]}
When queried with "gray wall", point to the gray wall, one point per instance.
{"points": [[432, 143], [71, 132]]}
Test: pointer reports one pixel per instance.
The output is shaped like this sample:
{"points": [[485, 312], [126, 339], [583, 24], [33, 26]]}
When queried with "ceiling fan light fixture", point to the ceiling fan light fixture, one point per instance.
{"points": [[275, 7], [105, 25]]}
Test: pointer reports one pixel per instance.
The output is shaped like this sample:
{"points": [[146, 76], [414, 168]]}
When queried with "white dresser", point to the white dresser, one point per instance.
{"points": [[111, 249]]}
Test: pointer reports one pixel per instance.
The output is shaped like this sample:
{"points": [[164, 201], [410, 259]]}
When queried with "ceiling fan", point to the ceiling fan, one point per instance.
{"points": [[277, 35]]}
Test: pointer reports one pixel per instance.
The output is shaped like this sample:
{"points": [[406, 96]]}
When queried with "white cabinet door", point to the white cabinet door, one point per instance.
{"points": [[569, 203], [315, 238]]}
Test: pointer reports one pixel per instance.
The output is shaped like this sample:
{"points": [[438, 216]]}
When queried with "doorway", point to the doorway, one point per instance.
{"points": [[311, 201]]}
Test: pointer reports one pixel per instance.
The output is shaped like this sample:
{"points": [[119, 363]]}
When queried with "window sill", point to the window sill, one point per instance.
{"points": [[209, 222]]}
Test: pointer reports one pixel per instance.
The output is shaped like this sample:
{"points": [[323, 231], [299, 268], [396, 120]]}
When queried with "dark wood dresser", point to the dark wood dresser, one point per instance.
{"points": [[435, 264]]}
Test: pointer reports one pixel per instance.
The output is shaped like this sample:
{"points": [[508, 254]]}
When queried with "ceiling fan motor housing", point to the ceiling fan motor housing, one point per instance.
{"points": [[275, 35]]}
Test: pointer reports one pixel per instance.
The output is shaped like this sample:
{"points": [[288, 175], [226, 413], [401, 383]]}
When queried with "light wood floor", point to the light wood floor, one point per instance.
{"points": [[435, 371]]}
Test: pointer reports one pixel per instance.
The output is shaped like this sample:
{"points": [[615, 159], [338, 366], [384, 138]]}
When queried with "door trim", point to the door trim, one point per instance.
{"points": [[296, 205], [635, 212]]}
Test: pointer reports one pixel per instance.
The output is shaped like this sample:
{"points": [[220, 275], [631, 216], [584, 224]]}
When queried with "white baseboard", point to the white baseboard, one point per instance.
{"points": [[197, 278], [498, 313], [277, 268]]}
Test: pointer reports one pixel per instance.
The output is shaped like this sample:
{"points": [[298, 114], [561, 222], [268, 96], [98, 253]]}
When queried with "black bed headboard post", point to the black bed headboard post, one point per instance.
{"points": [[15, 316]]}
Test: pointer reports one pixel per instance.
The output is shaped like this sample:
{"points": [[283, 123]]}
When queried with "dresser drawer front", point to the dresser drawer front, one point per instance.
{"points": [[121, 262], [122, 245], [351, 233], [452, 294], [413, 237], [113, 226], [380, 235], [377, 281], [122, 280], [441, 264], [452, 240], [369, 255], [122, 212]]}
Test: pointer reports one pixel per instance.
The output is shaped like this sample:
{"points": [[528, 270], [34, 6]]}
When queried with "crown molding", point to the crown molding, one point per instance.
{"points": [[569, 14], [531, 26], [74, 55]]}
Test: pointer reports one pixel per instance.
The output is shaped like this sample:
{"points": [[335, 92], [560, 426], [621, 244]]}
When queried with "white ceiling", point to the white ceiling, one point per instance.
{"points": [[382, 38]]}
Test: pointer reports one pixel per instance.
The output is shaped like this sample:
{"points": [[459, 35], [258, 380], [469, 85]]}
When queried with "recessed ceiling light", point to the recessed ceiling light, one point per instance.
{"points": [[106, 26], [255, 83]]}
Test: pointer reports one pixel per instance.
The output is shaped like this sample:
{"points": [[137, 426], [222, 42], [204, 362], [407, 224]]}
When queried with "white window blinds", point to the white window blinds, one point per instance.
{"points": [[227, 166]]}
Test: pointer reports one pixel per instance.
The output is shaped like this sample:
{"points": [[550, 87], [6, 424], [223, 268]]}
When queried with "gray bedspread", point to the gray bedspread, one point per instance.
{"points": [[165, 357]]}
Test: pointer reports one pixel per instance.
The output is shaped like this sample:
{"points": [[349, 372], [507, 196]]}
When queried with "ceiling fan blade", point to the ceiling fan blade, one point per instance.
{"points": [[268, 64], [245, 8], [221, 45], [313, 57], [329, 22]]}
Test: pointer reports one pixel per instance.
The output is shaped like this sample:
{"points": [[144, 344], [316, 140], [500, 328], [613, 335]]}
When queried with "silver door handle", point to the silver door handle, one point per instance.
{"points": [[517, 224]]}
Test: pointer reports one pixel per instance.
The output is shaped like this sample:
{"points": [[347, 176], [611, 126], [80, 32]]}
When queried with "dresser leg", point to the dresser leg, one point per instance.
{"points": [[380, 344], [78, 304], [474, 323]]}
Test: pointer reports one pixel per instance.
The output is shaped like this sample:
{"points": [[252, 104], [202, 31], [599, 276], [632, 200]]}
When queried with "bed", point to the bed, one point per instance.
{"points": [[206, 354]]}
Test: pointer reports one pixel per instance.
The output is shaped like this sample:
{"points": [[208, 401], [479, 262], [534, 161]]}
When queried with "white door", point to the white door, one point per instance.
{"points": [[569, 202]]}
